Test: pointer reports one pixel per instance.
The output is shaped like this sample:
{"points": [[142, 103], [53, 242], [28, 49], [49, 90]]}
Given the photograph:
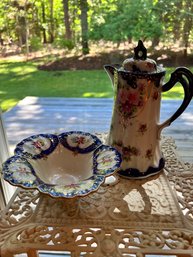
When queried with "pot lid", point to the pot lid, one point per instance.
{"points": [[140, 62]]}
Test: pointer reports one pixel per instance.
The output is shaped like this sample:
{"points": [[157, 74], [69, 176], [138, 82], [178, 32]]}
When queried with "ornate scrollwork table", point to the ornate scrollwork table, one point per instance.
{"points": [[132, 218]]}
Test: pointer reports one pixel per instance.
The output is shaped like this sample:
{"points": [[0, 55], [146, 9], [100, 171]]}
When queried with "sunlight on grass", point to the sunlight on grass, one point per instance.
{"points": [[7, 104], [23, 70], [177, 92], [21, 79], [97, 95]]}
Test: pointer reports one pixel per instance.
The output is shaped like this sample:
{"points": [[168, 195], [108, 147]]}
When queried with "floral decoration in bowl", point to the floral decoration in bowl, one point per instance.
{"points": [[71, 164]]}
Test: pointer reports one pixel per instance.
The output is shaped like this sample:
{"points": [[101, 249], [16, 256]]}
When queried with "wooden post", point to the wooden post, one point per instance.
{"points": [[6, 190]]}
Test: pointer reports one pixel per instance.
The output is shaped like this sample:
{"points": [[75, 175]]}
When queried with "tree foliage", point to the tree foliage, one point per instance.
{"points": [[68, 23]]}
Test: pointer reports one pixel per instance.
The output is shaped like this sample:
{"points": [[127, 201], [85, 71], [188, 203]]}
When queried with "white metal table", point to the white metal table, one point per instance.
{"points": [[128, 218]]}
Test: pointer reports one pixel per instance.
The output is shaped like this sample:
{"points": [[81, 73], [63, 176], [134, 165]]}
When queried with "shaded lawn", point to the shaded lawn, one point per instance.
{"points": [[21, 79]]}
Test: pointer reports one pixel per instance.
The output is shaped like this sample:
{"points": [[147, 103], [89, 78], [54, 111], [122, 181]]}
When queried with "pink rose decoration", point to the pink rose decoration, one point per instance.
{"points": [[122, 95], [129, 101], [133, 98]]}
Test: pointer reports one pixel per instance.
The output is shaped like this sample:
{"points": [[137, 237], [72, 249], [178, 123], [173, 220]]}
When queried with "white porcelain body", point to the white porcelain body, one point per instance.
{"points": [[135, 129], [63, 167]]}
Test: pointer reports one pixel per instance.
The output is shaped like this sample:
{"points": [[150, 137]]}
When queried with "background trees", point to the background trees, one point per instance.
{"points": [[30, 24]]}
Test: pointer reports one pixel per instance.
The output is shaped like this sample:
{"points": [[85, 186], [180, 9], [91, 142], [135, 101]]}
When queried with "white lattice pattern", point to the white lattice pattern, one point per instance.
{"points": [[127, 218]]}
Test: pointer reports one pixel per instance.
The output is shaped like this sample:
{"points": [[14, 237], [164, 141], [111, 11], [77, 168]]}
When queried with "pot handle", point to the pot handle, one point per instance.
{"points": [[185, 78]]}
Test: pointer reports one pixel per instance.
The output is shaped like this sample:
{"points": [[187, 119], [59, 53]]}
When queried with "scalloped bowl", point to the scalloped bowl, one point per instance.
{"points": [[71, 164]]}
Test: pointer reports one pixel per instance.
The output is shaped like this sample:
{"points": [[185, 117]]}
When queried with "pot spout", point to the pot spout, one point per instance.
{"points": [[110, 69]]}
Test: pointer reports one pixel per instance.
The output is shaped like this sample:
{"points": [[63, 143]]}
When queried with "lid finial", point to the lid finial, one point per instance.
{"points": [[140, 52]]}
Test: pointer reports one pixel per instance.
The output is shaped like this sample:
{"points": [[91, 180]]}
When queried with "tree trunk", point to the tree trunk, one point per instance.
{"points": [[68, 33], [129, 38], [35, 19], [177, 21], [187, 25], [51, 22], [155, 42], [22, 30], [20, 21], [26, 30], [84, 25], [44, 21], [1, 40]]}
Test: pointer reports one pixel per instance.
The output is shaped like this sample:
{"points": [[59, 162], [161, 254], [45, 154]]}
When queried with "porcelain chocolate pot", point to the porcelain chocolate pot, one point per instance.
{"points": [[135, 128]]}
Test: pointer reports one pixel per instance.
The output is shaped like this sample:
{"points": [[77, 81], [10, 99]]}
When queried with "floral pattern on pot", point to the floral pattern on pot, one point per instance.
{"points": [[155, 95], [127, 152], [142, 128], [149, 154], [130, 100]]}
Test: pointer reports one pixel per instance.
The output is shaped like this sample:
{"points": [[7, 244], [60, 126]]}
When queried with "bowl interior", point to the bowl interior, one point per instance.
{"points": [[63, 166], [67, 165]]}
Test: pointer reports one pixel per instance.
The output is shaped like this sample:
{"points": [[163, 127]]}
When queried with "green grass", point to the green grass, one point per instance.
{"points": [[21, 79]]}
